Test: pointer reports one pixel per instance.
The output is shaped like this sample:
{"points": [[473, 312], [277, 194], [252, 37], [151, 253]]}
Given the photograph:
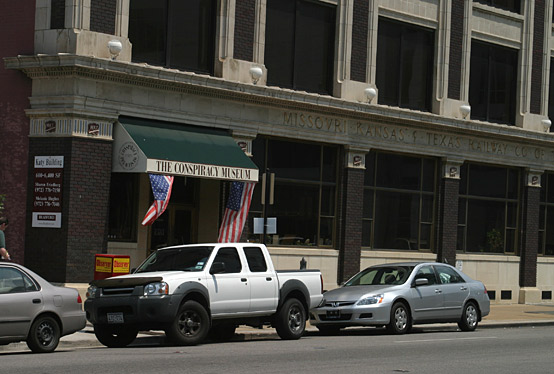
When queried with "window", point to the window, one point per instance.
{"points": [[174, 33], [305, 192], [488, 209], [299, 45], [399, 201], [510, 5], [427, 272], [546, 217], [405, 55], [256, 259], [493, 83], [14, 281], [229, 257], [122, 225], [448, 275]]}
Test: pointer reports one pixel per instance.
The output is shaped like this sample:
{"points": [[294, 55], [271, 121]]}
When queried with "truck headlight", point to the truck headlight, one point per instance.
{"points": [[91, 292], [373, 299], [157, 288]]}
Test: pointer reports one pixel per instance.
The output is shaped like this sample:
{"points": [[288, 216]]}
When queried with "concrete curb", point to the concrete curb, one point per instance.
{"points": [[155, 338]]}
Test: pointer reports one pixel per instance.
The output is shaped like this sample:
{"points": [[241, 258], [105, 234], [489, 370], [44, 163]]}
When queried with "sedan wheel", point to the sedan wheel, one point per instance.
{"points": [[470, 317], [44, 335], [400, 320]]}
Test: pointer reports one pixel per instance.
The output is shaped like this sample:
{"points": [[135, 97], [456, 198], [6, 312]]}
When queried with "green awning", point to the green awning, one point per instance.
{"points": [[175, 149]]}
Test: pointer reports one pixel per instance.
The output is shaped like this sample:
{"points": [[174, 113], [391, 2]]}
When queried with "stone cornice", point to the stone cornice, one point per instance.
{"points": [[171, 80]]}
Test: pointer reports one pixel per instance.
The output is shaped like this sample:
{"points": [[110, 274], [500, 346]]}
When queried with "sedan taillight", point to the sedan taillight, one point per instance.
{"points": [[79, 300]]}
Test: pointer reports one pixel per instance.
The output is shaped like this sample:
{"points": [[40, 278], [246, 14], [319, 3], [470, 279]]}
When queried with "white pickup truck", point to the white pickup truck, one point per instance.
{"points": [[191, 291]]}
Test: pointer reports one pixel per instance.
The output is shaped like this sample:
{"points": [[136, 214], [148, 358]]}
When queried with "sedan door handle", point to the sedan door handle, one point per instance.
{"points": [[438, 291], [243, 279], [463, 288], [36, 301]]}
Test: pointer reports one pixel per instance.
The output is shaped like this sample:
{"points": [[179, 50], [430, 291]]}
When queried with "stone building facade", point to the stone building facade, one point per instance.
{"points": [[394, 131]]}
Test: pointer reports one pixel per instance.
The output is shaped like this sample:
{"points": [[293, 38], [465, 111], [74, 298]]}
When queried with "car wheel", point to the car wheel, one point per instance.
{"points": [[222, 332], [190, 326], [44, 335], [328, 330], [400, 319], [470, 317], [115, 336], [291, 320]]}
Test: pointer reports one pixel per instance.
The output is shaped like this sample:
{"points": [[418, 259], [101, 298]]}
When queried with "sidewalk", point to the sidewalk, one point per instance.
{"points": [[501, 316]]}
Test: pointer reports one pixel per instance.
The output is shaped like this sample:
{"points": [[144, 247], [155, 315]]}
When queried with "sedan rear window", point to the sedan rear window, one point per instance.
{"points": [[382, 275]]}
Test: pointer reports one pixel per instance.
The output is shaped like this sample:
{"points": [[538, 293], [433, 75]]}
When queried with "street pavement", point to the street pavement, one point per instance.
{"points": [[501, 316]]}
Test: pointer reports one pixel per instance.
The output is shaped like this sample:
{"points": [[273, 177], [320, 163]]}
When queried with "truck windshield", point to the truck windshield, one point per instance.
{"points": [[183, 259]]}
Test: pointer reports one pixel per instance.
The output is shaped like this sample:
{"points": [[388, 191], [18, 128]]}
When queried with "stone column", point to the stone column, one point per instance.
{"points": [[448, 211], [350, 221], [65, 254], [529, 293]]}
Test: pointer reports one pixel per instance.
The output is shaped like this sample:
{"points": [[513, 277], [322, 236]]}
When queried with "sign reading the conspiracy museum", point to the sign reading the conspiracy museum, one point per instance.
{"points": [[190, 169], [47, 191]]}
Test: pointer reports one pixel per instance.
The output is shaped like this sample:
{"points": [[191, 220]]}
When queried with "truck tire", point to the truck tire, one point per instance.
{"points": [[190, 326], [44, 335], [115, 336], [290, 321]]}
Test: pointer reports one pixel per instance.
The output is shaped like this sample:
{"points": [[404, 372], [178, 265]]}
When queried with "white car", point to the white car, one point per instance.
{"points": [[36, 311], [402, 294]]}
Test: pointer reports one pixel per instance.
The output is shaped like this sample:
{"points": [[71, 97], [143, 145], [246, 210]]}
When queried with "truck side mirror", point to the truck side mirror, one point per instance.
{"points": [[217, 268]]}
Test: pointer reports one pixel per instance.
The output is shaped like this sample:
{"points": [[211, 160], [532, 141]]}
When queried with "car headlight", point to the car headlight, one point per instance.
{"points": [[91, 292], [157, 288], [373, 299]]}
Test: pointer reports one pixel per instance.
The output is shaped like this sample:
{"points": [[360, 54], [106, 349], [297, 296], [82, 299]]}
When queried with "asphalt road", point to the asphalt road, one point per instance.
{"points": [[441, 350]]}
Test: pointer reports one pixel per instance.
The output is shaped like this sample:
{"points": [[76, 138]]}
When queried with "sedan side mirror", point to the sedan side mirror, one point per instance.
{"points": [[421, 282], [217, 268]]}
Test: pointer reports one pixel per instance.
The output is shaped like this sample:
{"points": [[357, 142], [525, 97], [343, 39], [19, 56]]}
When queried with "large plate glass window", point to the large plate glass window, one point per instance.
{"points": [[405, 55], [488, 209], [300, 44], [546, 217], [493, 83], [305, 192], [174, 33], [399, 201]]}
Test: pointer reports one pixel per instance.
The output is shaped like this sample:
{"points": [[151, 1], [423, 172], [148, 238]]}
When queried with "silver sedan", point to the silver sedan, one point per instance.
{"points": [[401, 295], [36, 311]]}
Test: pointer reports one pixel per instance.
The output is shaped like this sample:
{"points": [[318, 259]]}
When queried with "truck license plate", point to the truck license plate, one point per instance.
{"points": [[333, 314], [115, 317]]}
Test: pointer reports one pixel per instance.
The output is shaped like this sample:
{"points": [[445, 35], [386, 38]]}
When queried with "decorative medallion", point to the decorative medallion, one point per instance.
{"points": [[128, 155]]}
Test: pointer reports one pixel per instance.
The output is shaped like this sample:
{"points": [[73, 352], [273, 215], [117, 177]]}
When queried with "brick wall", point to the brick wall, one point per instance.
{"points": [[57, 14], [448, 220], [67, 254], [530, 238], [102, 16], [358, 62], [17, 30], [245, 15], [456, 45], [538, 46], [351, 223]]}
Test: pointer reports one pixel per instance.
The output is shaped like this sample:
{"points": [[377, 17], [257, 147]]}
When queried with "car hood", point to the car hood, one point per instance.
{"points": [[354, 293]]}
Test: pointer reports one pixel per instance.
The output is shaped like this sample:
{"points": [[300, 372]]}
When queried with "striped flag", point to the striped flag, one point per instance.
{"points": [[161, 187], [236, 211]]}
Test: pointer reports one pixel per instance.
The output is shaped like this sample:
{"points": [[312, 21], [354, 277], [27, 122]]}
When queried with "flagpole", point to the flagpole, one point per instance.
{"points": [[265, 205]]}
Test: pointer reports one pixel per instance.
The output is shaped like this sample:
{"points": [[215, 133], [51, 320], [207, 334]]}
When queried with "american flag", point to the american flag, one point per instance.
{"points": [[236, 212], [161, 187]]}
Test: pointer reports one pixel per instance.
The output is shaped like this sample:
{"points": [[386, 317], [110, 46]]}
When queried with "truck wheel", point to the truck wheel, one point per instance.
{"points": [[44, 335], [115, 336], [290, 321], [222, 332], [190, 326]]}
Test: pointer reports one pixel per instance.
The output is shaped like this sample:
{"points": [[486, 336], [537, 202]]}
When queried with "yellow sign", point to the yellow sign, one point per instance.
{"points": [[121, 265], [103, 265]]}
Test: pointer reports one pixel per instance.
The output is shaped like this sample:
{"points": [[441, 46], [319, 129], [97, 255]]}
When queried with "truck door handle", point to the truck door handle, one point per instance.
{"points": [[36, 301], [243, 279], [269, 279]]}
